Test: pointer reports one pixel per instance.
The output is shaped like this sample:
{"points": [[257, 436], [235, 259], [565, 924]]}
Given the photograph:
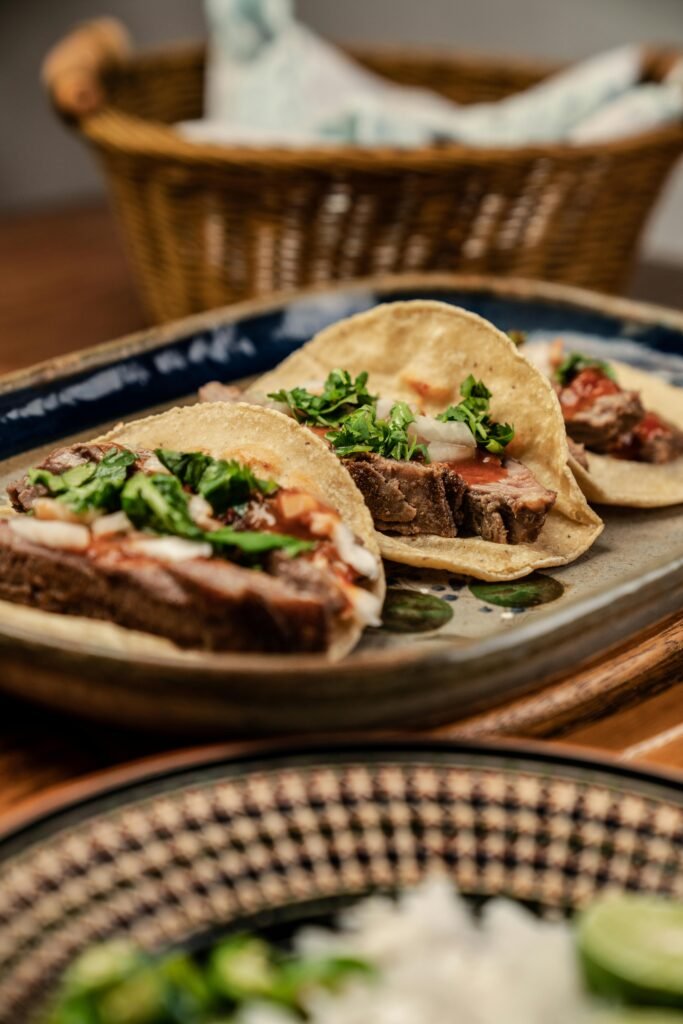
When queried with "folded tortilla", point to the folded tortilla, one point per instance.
{"points": [[611, 481], [421, 352], [274, 447]]}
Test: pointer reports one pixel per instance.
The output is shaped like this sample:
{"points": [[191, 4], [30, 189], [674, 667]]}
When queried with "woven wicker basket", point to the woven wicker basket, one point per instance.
{"points": [[209, 225]]}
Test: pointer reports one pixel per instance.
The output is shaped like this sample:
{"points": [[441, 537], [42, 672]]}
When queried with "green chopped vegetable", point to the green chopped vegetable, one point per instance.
{"points": [[362, 432], [474, 411], [224, 484], [102, 966], [115, 984], [643, 1016], [299, 975], [91, 486], [340, 397], [140, 999], [159, 503], [254, 543], [241, 968], [575, 363], [518, 338], [631, 949]]}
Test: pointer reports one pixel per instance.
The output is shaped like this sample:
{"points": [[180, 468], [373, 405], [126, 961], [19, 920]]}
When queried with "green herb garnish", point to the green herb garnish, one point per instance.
{"points": [[474, 411], [362, 432], [576, 363], [341, 396], [159, 504], [224, 484], [90, 486], [115, 983], [253, 543]]}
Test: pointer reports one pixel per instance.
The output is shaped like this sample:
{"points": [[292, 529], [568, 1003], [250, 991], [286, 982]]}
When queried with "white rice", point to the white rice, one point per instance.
{"points": [[438, 965]]}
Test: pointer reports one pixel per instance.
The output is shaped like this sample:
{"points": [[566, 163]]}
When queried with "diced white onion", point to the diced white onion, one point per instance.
{"points": [[323, 524], [353, 553], [261, 518], [151, 464], [202, 513], [49, 509], [384, 407], [452, 432], [441, 451], [367, 607], [261, 399], [171, 549], [107, 526], [51, 533]]}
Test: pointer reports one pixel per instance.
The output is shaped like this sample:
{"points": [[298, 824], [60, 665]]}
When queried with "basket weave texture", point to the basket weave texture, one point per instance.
{"points": [[210, 225]]}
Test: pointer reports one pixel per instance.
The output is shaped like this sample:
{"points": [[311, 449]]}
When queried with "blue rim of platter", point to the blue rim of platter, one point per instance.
{"points": [[165, 364]]}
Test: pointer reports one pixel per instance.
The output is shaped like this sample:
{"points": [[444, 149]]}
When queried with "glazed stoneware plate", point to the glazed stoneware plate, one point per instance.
{"points": [[177, 851], [446, 648]]}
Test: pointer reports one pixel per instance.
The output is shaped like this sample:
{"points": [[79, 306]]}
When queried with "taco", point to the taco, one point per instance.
{"points": [[626, 429], [216, 527], [455, 441]]}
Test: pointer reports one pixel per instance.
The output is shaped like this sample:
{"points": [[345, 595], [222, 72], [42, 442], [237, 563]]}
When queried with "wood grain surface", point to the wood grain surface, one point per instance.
{"points": [[66, 285]]}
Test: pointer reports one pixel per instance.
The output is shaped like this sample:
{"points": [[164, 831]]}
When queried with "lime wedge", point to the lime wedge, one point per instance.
{"points": [[631, 949]]}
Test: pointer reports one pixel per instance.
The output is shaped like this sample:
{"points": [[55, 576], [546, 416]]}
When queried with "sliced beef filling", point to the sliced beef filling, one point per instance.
{"points": [[610, 421], [409, 498], [596, 410], [22, 493], [502, 503], [202, 603], [509, 507], [651, 440]]}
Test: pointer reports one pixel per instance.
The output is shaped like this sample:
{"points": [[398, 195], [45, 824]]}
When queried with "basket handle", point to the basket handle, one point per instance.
{"points": [[73, 69]]}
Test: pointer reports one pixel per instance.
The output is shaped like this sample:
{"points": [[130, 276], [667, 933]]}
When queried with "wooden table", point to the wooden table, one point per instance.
{"points": [[66, 285]]}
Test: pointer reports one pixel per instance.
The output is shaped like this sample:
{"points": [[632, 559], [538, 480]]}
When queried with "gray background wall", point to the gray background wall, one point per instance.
{"points": [[40, 163]]}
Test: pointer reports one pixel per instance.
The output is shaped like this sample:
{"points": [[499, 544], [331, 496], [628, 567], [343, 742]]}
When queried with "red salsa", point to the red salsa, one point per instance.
{"points": [[630, 445], [584, 389], [482, 469]]}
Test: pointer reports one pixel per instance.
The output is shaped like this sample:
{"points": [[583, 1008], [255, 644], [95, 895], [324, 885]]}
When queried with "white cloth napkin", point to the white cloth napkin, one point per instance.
{"points": [[272, 81]]}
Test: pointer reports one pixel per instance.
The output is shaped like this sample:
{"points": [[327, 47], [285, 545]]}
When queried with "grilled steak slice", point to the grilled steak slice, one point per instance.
{"points": [[509, 510], [214, 391], [651, 440], [22, 493], [596, 410], [210, 604], [409, 498], [443, 499], [502, 503]]}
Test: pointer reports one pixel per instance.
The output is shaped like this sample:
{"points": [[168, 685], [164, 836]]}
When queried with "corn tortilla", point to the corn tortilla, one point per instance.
{"points": [[420, 352]]}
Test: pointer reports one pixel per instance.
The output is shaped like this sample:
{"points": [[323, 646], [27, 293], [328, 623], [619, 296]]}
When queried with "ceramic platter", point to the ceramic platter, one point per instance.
{"points": [[178, 851], [446, 648]]}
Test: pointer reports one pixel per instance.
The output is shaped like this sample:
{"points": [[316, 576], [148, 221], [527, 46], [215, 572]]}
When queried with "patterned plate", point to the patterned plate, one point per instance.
{"points": [[446, 648], [181, 848]]}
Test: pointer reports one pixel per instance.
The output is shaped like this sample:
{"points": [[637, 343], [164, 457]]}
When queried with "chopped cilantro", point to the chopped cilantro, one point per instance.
{"points": [[474, 411], [518, 338], [362, 432], [254, 543], [224, 484], [576, 363], [158, 503], [92, 485], [340, 397]]}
